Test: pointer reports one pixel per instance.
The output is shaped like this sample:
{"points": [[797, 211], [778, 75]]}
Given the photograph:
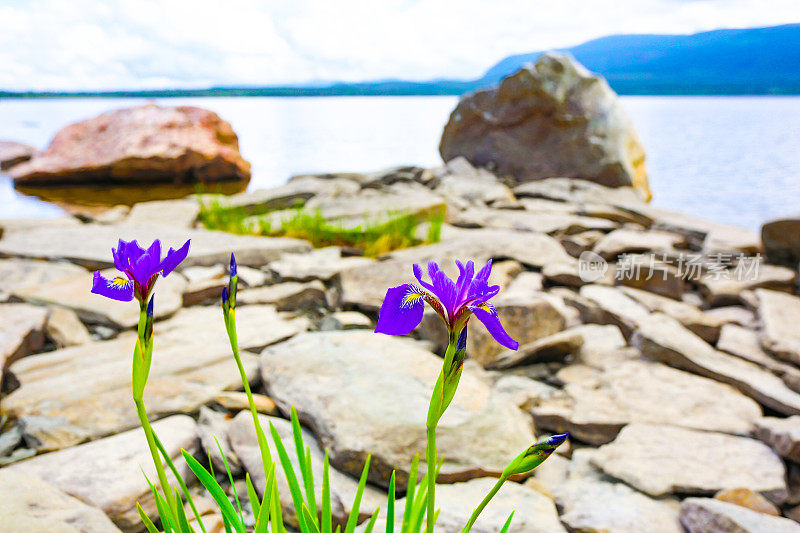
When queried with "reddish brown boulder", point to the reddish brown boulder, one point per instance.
{"points": [[554, 119], [13, 153], [139, 145]]}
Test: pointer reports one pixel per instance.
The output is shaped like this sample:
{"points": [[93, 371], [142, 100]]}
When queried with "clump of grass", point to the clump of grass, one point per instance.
{"points": [[375, 237], [213, 215]]}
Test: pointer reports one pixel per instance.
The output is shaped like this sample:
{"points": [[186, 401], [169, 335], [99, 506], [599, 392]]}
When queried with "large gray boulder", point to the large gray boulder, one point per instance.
{"points": [[551, 119]]}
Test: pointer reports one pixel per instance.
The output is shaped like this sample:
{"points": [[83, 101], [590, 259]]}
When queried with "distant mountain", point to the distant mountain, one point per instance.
{"points": [[724, 62], [748, 61]]}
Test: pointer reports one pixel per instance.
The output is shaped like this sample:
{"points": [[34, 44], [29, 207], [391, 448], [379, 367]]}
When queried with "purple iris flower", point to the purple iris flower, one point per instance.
{"points": [[455, 302], [141, 267]]}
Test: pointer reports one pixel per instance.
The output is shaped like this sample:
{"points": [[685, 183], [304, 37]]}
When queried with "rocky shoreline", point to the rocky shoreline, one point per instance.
{"points": [[665, 344], [675, 388]]}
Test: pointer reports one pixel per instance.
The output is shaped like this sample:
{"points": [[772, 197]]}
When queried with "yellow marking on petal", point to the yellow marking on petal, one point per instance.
{"points": [[120, 281], [411, 297]]}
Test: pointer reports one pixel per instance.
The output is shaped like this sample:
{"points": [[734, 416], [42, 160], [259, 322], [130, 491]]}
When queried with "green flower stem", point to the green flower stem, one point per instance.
{"points": [[435, 412], [143, 349], [230, 326], [430, 458], [151, 443], [476, 513]]}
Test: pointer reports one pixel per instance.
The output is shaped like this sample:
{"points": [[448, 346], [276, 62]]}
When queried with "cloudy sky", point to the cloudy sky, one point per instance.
{"points": [[131, 44]]}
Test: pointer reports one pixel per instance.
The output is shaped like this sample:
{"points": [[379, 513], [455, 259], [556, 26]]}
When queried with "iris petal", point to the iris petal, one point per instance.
{"points": [[464, 280], [445, 291], [174, 258], [133, 251], [401, 310], [418, 274], [487, 314], [485, 271], [120, 258], [116, 289], [155, 250], [144, 268]]}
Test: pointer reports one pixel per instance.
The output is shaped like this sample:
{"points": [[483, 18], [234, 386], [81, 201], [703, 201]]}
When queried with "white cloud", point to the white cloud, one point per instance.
{"points": [[84, 44]]}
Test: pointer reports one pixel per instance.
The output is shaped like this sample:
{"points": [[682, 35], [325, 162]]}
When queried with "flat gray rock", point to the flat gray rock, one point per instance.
{"points": [[593, 406], [83, 392], [626, 241], [592, 502], [525, 318], [35, 506], [781, 434], [90, 245], [744, 342], [550, 223], [663, 338], [322, 264], [707, 515], [74, 293], [577, 191], [660, 460], [615, 307], [296, 192], [705, 325], [555, 347], [779, 314], [108, 473], [288, 296], [65, 329], [22, 273], [727, 289], [165, 213], [365, 286], [365, 393], [22, 332], [371, 204]]}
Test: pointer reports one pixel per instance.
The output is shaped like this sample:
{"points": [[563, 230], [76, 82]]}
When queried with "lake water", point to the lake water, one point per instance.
{"points": [[730, 159]]}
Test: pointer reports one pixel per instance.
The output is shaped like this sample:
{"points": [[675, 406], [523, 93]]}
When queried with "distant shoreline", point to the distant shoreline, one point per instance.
{"points": [[315, 93]]}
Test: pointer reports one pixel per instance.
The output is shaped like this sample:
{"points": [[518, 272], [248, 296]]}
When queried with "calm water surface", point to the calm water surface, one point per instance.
{"points": [[733, 160]]}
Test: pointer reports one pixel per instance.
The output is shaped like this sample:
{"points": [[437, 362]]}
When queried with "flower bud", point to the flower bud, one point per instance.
{"points": [[534, 455], [229, 295]]}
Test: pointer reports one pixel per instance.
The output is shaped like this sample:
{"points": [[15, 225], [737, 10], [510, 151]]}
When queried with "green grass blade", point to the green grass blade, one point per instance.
{"points": [[304, 459], [308, 479], [508, 523], [230, 480], [372, 520], [262, 516], [182, 521], [255, 504], [181, 482], [352, 520], [310, 520], [161, 506], [410, 493], [291, 477], [326, 525], [151, 527], [216, 492], [390, 506], [275, 512], [163, 512]]}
